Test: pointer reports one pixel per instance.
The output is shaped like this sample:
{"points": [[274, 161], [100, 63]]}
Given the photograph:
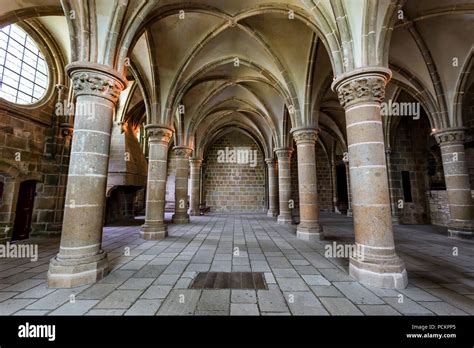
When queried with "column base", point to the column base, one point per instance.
{"points": [[194, 213], [378, 271], [272, 213], [69, 273], [309, 237], [457, 233], [312, 232], [153, 231], [284, 219], [180, 218]]}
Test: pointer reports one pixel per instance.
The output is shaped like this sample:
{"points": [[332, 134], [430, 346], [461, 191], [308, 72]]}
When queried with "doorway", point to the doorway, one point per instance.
{"points": [[24, 210], [342, 195]]}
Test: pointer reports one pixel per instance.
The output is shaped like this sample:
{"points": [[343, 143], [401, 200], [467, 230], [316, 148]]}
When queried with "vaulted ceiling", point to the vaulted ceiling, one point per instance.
{"points": [[265, 67]]}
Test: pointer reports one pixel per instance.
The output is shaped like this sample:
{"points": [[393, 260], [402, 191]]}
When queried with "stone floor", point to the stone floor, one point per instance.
{"points": [[154, 278]]}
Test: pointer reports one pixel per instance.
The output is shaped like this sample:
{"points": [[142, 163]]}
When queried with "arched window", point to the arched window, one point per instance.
{"points": [[23, 70]]}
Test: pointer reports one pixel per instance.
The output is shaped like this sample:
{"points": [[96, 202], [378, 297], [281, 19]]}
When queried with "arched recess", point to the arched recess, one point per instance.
{"points": [[421, 93], [234, 171], [465, 82], [215, 133]]}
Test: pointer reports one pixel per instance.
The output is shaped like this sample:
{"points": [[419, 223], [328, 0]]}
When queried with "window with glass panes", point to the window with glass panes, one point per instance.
{"points": [[23, 70]]}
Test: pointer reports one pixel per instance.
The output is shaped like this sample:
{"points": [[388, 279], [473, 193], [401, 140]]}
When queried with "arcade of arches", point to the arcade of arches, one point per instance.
{"points": [[324, 122]]}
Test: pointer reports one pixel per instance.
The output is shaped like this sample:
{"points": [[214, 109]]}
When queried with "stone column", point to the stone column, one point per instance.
{"points": [[181, 187], [456, 175], [349, 192], [272, 188], [284, 184], [334, 187], [393, 198], [309, 227], [154, 227], [81, 259], [195, 164], [375, 262]]}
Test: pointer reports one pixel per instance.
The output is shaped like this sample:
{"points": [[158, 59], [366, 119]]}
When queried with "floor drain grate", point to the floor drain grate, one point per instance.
{"points": [[229, 280]]}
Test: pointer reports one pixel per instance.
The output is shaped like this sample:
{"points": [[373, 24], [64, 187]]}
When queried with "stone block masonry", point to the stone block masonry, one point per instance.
{"points": [[323, 172], [234, 187], [30, 149], [438, 207]]}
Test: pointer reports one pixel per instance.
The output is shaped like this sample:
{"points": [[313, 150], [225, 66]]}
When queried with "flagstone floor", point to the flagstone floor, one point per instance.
{"points": [[152, 277]]}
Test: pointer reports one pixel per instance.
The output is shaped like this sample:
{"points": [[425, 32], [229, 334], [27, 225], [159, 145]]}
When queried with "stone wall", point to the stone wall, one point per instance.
{"points": [[127, 163], [323, 170], [170, 181], [121, 204], [295, 196], [127, 174], [438, 205], [470, 164], [234, 187], [33, 149], [410, 154]]}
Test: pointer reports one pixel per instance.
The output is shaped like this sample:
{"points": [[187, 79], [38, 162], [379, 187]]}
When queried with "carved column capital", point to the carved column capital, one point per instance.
{"points": [[195, 162], [270, 161], [450, 136], [96, 80], [158, 133], [182, 151], [283, 152], [305, 135], [362, 85]]}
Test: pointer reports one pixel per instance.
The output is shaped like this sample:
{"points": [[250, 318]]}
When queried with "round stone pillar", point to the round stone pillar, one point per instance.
{"points": [[81, 259], [154, 227], [181, 185], [309, 227], [284, 184], [456, 175], [375, 262], [195, 165], [272, 188]]}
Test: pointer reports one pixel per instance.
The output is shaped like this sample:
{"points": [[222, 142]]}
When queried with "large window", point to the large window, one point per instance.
{"points": [[23, 70]]}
